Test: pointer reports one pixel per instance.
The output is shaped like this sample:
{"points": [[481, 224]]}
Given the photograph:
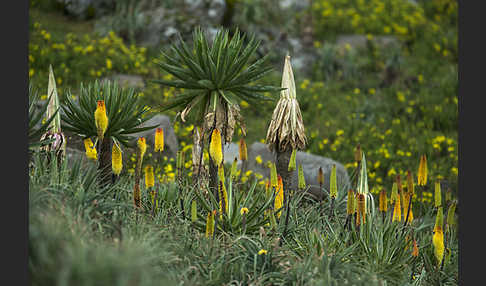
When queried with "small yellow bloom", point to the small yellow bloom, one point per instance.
{"points": [[109, 64], [116, 159], [258, 159], [101, 119], [262, 251], [243, 211]]}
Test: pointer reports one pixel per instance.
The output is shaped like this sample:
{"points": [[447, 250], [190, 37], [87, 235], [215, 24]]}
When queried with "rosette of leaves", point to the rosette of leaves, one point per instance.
{"points": [[125, 116], [215, 79]]}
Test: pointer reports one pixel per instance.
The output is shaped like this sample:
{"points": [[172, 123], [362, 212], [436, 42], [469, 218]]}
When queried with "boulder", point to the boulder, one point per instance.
{"points": [[127, 80], [170, 138], [309, 162], [87, 9]]}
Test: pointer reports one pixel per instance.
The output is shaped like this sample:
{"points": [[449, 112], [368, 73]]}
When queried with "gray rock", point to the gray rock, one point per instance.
{"points": [[127, 80], [170, 138], [309, 162], [85, 9]]}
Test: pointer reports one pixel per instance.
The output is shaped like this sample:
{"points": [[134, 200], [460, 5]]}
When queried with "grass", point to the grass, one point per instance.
{"points": [[80, 234]]}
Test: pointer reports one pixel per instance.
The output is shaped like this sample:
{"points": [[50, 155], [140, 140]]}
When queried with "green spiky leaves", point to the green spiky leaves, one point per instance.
{"points": [[125, 114], [216, 77]]}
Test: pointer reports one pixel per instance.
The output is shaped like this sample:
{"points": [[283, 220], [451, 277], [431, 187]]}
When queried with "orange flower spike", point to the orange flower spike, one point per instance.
{"points": [[320, 177], [279, 197], [410, 186], [243, 150], [362, 207], [415, 250], [383, 204]]}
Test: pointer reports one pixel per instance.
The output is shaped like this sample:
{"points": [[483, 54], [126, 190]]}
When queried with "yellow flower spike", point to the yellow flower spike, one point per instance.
{"points": [[223, 196], [159, 140], [116, 159], [394, 193], [243, 150], [362, 208], [437, 195], [215, 147], [244, 211], [448, 195], [438, 242], [273, 176], [350, 203], [407, 200], [234, 169], [383, 204], [410, 186], [333, 182], [136, 196], [279, 197], [194, 211], [301, 178], [101, 119], [142, 146], [91, 152], [292, 162], [149, 176], [397, 211], [422, 171], [210, 224], [450, 214], [320, 177]]}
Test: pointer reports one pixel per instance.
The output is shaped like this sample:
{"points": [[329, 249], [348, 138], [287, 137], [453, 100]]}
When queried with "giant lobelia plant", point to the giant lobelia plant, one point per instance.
{"points": [[109, 115], [215, 79]]}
